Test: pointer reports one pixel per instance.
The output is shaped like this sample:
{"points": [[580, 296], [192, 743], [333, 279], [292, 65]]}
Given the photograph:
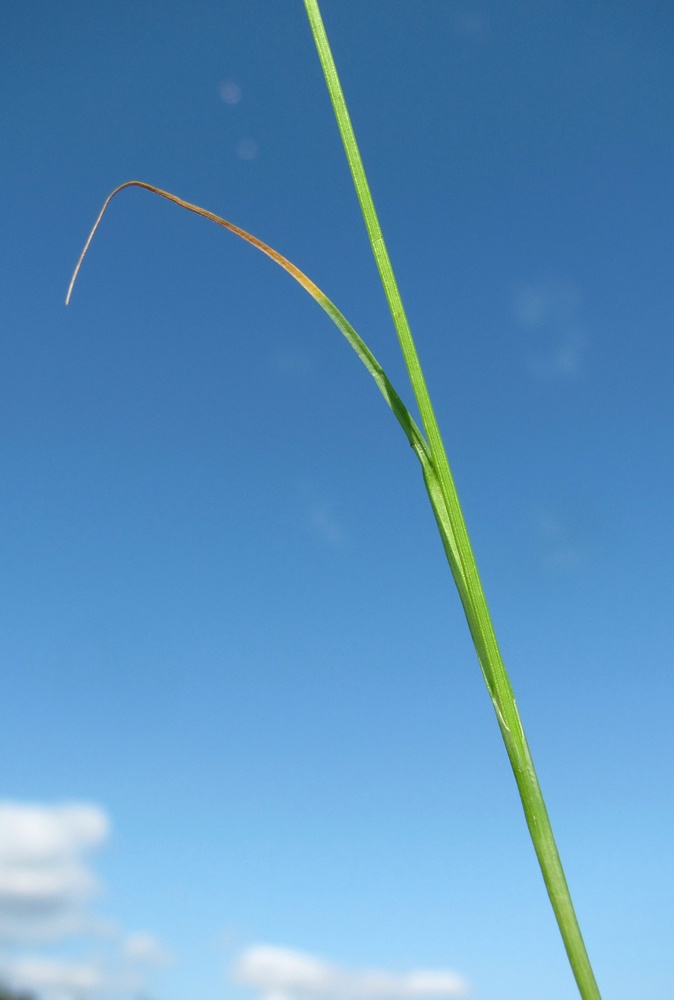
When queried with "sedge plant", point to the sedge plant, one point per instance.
{"points": [[426, 443]]}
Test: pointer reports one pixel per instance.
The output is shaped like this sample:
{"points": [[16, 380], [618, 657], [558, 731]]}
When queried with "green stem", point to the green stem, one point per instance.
{"points": [[465, 573]]}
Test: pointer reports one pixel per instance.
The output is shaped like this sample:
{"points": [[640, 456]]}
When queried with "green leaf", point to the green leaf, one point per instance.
{"points": [[463, 565]]}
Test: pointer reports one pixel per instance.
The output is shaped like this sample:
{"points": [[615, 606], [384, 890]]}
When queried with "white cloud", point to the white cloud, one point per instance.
{"points": [[110, 973], [287, 362], [54, 979], [145, 949], [45, 882], [325, 524], [46, 890], [559, 550], [246, 149], [230, 92], [321, 518], [35, 833], [472, 23], [548, 312], [285, 974]]}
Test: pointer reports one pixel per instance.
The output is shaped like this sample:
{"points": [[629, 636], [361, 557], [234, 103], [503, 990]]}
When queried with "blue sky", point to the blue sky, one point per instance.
{"points": [[246, 748]]}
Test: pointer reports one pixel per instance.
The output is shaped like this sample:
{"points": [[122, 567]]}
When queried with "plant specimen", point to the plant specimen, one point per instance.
{"points": [[428, 447]]}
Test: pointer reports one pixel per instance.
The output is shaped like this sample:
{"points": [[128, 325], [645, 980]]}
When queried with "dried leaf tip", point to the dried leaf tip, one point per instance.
{"points": [[93, 230]]}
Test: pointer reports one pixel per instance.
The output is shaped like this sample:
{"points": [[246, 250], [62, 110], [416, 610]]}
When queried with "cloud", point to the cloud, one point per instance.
{"points": [[112, 973], [325, 524], [34, 833], [145, 949], [45, 883], [230, 92], [285, 974], [46, 890], [321, 518], [289, 363], [559, 550], [548, 312], [471, 23], [246, 149], [54, 979]]}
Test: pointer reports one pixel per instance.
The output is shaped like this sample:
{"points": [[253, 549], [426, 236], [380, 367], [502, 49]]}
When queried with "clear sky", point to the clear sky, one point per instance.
{"points": [[246, 751]]}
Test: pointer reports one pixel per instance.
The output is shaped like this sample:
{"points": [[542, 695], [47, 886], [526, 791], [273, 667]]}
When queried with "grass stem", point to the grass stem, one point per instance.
{"points": [[464, 568]]}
